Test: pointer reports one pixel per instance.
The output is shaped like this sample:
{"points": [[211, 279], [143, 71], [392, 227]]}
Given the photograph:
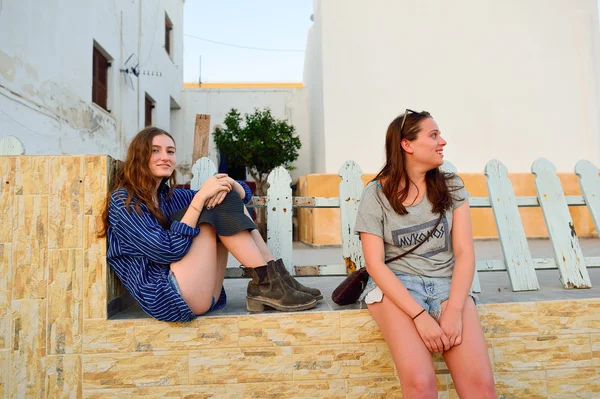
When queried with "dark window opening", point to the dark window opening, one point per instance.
{"points": [[168, 36], [100, 66], [148, 106]]}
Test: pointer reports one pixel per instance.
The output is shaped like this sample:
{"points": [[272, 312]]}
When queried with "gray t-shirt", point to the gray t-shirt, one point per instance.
{"points": [[402, 232]]}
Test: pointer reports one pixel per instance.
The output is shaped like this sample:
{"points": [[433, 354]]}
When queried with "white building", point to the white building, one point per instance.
{"points": [[512, 80], [61, 85]]}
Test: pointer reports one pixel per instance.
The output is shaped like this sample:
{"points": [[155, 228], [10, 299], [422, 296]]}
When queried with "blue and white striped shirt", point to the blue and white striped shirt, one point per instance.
{"points": [[140, 251]]}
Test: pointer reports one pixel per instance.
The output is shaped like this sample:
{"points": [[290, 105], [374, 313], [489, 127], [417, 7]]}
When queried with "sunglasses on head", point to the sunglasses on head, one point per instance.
{"points": [[404, 118]]}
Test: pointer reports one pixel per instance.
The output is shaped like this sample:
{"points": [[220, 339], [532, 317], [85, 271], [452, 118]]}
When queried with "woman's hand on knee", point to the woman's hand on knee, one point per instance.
{"points": [[216, 200], [213, 186], [431, 333], [451, 324]]}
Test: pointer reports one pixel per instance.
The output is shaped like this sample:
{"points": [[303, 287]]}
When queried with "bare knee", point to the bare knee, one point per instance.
{"points": [[482, 386], [475, 385], [419, 385], [201, 303]]}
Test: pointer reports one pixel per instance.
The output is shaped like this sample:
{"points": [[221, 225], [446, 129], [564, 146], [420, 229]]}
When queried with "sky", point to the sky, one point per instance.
{"points": [[268, 24]]}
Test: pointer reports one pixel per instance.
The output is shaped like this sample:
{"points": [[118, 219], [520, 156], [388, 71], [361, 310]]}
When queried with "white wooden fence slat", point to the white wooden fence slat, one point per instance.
{"points": [[351, 188], [300, 202], [201, 171], [482, 266], [10, 145], [333, 270], [524, 201], [448, 167], [589, 181], [474, 202], [567, 252], [517, 256], [539, 264], [279, 216]]}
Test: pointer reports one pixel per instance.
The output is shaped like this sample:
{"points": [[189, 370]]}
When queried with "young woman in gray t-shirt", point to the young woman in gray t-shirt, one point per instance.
{"points": [[422, 302]]}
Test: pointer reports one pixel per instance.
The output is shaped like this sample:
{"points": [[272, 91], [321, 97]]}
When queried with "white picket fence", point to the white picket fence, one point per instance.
{"points": [[518, 261]]}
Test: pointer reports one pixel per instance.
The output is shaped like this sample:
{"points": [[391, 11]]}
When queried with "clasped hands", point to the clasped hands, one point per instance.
{"points": [[215, 188], [440, 337]]}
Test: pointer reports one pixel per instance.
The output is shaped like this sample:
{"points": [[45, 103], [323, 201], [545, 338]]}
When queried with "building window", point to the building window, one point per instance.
{"points": [[168, 35], [149, 106], [100, 79], [174, 115]]}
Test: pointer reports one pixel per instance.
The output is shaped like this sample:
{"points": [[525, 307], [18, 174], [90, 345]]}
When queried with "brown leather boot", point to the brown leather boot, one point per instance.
{"points": [[292, 282], [267, 288]]}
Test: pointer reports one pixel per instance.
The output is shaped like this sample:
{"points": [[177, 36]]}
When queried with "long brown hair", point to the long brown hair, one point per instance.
{"points": [[396, 182], [134, 175]]}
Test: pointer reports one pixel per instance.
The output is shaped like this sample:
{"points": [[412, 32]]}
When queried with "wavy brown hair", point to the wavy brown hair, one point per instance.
{"points": [[393, 176], [134, 175]]}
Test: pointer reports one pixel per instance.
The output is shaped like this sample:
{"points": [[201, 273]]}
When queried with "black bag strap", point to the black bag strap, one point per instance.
{"points": [[419, 244]]}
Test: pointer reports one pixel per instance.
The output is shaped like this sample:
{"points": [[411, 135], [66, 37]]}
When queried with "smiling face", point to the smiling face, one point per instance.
{"points": [[427, 149], [163, 159]]}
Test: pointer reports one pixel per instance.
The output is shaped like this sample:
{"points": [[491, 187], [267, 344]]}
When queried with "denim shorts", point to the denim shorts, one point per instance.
{"points": [[214, 304], [429, 292]]}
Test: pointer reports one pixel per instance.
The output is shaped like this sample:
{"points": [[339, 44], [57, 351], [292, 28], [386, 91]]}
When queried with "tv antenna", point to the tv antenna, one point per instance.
{"points": [[130, 67]]}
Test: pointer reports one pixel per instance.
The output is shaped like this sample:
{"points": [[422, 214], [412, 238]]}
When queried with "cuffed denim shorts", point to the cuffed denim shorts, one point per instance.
{"points": [[214, 304], [429, 292]]}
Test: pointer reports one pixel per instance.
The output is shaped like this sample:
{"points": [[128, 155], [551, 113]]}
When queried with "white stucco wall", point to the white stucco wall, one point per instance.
{"points": [[285, 103], [46, 72], [512, 80]]}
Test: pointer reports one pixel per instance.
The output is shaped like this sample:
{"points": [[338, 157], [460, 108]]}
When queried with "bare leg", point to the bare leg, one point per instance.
{"points": [[197, 273], [267, 288], [201, 271], [411, 357], [243, 248], [222, 255], [260, 243], [469, 362], [288, 278]]}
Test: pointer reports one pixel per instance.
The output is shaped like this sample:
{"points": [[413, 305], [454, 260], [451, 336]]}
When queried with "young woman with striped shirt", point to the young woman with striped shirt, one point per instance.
{"points": [[169, 246]]}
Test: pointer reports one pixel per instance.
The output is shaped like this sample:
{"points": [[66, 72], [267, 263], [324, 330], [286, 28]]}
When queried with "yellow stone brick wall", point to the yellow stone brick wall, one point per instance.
{"points": [[314, 225], [55, 340]]}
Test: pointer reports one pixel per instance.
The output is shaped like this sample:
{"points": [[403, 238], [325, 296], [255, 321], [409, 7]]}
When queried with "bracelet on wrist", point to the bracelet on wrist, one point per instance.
{"points": [[418, 314], [196, 209]]}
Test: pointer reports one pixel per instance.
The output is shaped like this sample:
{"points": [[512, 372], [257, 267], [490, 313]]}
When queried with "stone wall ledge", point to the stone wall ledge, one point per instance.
{"points": [[537, 350]]}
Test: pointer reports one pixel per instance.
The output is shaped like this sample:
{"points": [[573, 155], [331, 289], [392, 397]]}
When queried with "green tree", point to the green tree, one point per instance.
{"points": [[260, 142]]}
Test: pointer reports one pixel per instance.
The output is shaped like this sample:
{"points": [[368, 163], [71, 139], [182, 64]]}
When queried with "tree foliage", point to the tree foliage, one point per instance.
{"points": [[259, 142]]}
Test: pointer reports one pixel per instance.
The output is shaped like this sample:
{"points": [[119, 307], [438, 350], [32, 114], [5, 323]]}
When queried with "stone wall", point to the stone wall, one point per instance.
{"points": [[56, 341]]}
